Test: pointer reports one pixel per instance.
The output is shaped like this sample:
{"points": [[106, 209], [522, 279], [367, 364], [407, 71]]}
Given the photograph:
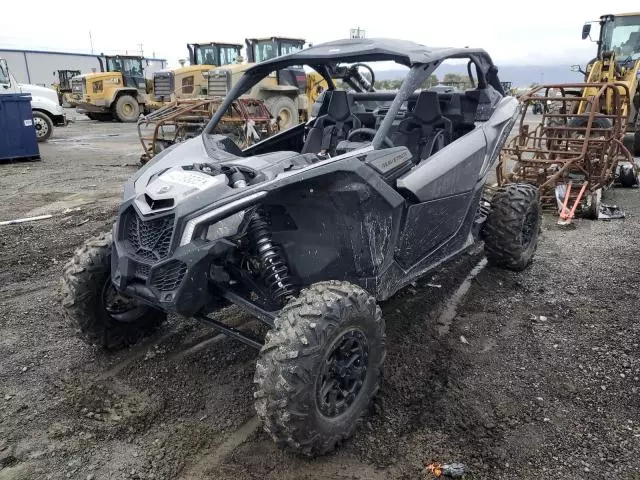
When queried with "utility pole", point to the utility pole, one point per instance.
{"points": [[91, 41], [357, 33], [141, 51]]}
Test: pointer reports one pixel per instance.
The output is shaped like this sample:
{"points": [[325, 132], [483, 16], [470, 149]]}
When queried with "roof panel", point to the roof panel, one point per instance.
{"points": [[369, 49]]}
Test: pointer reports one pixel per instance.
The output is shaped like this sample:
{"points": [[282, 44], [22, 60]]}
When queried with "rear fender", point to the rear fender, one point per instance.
{"points": [[117, 92], [496, 131]]}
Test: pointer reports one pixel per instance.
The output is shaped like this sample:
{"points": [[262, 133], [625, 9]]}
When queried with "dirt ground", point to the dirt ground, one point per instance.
{"points": [[532, 375]]}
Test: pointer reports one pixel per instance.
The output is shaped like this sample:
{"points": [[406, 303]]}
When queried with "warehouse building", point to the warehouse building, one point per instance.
{"points": [[40, 67]]}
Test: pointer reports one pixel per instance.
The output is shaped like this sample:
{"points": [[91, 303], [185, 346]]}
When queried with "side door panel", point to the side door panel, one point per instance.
{"points": [[444, 186]]}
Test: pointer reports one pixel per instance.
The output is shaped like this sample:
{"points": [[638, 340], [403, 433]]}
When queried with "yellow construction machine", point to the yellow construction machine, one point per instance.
{"points": [[120, 91], [189, 81], [617, 60], [62, 85], [288, 94]]}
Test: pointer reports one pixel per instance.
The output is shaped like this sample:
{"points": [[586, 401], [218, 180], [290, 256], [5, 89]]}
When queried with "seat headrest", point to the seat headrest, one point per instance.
{"points": [[339, 106], [427, 109]]}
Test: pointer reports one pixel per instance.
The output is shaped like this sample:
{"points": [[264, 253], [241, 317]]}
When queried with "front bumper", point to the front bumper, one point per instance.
{"points": [[84, 108], [60, 120], [177, 283]]}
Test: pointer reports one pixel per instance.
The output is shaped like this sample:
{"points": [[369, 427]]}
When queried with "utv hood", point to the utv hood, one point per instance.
{"points": [[194, 176]]}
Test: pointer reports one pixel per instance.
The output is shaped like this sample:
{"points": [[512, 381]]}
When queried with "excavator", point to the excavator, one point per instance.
{"points": [[189, 81], [617, 60]]}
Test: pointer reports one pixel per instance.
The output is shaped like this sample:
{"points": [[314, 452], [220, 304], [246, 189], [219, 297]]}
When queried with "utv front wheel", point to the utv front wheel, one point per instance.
{"points": [[320, 366], [513, 226], [93, 305]]}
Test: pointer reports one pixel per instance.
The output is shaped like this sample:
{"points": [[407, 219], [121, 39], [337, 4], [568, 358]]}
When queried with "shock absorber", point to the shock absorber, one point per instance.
{"points": [[273, 268]]}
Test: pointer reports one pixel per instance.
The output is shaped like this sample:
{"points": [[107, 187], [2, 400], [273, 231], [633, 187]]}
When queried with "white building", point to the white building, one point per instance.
{"points": [[41, 67]]}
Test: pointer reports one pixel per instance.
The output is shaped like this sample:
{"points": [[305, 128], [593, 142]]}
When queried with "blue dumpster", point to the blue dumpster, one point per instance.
{"points": [[17, 131]]}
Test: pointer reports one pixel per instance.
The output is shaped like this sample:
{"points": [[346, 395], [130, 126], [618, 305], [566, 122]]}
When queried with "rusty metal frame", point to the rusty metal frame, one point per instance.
{"points": [[557, 149], [180, 118]]}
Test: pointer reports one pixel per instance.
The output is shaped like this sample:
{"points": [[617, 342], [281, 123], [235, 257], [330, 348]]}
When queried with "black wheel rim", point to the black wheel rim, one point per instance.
{"points": [[119, 307], [343, 373], [529, 227]]}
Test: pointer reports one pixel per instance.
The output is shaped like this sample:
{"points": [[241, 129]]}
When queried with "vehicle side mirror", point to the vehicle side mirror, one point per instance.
{"points": [[586, 30], [578, 69]]}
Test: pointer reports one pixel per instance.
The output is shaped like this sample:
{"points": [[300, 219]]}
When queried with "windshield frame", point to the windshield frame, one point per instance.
{"points": [[415, 76], [5, 79], [612, 25], [486, 71], [264, 43], [126, 64]]}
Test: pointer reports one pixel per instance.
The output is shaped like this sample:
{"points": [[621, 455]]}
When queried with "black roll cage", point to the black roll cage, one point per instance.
{"points": [[418, 72]]}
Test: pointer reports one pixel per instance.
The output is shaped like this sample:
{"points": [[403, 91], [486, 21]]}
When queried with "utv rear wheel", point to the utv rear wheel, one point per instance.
{"points": [[91, 302], [320, 366], [127, 109], [513, 226], [284, 110]]}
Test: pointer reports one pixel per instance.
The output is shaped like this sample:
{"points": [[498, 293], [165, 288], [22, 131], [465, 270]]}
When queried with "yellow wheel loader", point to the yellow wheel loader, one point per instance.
{"points": [[288, 94], [120, 92], [617, 60], [62, 85], [190, 81]]}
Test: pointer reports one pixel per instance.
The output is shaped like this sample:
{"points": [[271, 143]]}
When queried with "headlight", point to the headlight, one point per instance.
{"points": [[213, 231], [216, 226]]}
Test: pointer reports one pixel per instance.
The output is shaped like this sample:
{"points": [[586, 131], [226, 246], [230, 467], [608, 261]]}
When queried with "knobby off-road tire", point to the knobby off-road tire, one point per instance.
{"points": [[86, 290], [628, 177], [513, 226], [317, 336]]}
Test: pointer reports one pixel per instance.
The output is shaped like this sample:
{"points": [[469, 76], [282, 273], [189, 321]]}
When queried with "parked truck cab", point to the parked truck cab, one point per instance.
{"points": [[45, 104]]}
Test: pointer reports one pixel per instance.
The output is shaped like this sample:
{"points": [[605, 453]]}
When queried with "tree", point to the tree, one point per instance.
{"points": [[462, 82], [432, 81], [387, 84]]}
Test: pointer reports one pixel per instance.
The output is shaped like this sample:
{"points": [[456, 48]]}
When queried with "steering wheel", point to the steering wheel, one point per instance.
{"points": [[355, 73], [368, 132]]}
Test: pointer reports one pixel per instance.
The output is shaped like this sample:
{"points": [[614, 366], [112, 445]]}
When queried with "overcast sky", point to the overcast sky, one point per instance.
{"points": [[513, 32]]}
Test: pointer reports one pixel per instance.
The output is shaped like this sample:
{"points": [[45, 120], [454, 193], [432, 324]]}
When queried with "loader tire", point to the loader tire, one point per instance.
{"points": [[285, 108], [319, 369], [636, 137], [513, 226], [597, 122], [88, 294], [127, 109]]}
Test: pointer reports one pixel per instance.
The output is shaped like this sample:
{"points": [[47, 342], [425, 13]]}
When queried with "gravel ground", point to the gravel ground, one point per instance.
{"points": [[532, 375]]}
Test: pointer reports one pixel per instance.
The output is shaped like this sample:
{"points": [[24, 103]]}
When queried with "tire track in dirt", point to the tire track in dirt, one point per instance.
{"points": [[211, 459]]}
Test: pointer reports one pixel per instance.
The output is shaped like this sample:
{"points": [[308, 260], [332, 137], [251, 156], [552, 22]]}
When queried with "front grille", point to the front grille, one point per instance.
{"points": [[148, 240], [219, 83], [163, 84], [76, 86], [142, 271], [169, 276]]}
